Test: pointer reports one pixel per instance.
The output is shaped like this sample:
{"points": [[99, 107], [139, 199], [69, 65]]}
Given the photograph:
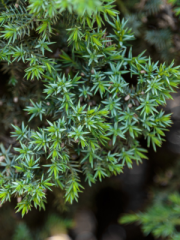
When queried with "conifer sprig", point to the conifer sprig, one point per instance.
{"points": [[91, 117]]}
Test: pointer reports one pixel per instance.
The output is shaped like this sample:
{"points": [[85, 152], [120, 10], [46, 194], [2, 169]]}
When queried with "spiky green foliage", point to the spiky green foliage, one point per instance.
{"points": [[91, 117], [161, 219]]}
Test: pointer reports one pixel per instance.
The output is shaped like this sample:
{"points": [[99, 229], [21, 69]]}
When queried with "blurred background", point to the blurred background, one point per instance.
{"points": [[156, 26]]}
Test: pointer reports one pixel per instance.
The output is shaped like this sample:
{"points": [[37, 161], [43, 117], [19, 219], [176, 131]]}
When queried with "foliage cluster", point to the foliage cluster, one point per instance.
{"points": [[161, 220], [162, 217], [155, 23], [94, 105]]}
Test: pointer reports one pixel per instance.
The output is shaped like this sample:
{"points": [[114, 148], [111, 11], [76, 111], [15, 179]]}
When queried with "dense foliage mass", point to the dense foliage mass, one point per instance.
{"points": [[155, 24], [94, 107]]}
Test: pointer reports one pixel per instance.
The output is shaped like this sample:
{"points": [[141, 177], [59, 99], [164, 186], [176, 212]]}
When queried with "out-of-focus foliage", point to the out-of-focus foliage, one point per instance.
{"points": [[162, 217], [175, 3], [155, 25], [90, 115], [52, 227]]}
